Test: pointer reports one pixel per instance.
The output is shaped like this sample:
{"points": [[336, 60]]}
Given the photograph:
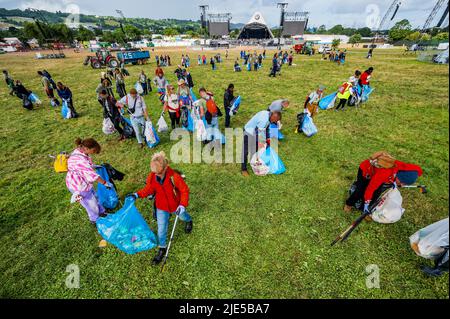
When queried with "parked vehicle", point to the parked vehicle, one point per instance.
{"points": [[101, 59], [324, 48], [134, 57]]}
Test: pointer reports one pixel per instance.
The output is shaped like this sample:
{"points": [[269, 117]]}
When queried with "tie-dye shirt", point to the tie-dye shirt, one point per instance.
{"points": [[80, 172]]}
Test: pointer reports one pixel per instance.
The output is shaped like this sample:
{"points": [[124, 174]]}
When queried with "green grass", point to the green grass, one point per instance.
{"points": [[263, 237]]}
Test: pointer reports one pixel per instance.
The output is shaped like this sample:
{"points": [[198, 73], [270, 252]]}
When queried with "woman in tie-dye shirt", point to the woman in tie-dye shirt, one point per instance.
{"points": [[81, 176]]}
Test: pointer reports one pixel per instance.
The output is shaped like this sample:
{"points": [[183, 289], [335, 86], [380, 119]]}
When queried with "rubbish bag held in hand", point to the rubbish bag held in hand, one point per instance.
{"points": [[65, 111], [139, 88], [193, 96], [328, 101], [270, 158], [258, 166], [235, 104], [367, 90], [107, 197], [151, 137], [128, 130], [200, 130], [275, 132], [108, 126], [389, 209], [186, 119], [162, 124], [430, 242], [127, 229], [308, 126], [34, 98]]}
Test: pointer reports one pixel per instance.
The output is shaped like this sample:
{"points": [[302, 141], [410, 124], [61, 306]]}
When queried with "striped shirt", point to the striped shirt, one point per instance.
{"points": [[80, 172]]}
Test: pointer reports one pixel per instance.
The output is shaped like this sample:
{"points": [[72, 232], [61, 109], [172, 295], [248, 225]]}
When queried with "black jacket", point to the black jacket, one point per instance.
{"points": [[228, 97], [112, 111], [189, 80]]}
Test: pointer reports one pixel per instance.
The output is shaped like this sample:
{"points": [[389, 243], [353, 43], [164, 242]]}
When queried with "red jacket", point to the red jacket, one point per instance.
{"points": [[379, 176], [167, 197], [364, 78]]}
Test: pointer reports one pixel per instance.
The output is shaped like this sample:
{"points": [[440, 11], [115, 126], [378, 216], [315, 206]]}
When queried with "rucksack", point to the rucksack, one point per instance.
{"points": [[300, 120], [60, 164]]}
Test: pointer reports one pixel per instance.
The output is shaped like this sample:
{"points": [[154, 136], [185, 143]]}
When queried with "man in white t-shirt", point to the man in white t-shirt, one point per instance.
{"points": [[137, 109]]}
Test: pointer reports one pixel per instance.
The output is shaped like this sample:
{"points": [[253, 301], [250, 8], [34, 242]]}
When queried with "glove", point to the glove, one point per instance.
{"points": [[366, 207], [132, 195], [108, 185], [268, 142], [180, 210]]}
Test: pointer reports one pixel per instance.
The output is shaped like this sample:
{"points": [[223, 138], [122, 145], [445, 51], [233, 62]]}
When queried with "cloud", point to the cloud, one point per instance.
{"points": [[329, 12]]}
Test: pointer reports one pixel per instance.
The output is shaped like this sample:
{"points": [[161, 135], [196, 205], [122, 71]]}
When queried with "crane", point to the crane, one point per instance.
{"points": [[395, 5], [122, 16], [432, 15], [47, 34]]}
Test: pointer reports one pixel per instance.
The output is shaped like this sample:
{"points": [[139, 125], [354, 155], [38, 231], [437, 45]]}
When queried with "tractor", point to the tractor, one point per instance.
{"points": [[101, 59]]}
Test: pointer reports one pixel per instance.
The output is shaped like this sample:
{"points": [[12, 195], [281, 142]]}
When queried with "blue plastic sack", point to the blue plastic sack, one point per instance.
{"points": [[308, 126], [270, 158], [249, 67], [152, 145], [107, 197], [127, 229], [190, 122], [193, 96], [367, 90], [235, 105], [327, 102], [33, 98], [65, 111], [274, 132]]}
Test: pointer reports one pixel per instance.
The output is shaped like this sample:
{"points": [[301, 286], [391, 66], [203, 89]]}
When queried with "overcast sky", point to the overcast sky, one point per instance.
{"points": [[351, 13]]}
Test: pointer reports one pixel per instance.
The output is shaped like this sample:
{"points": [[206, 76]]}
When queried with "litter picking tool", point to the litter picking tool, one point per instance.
{"points": [[342, 237], [170, 242], [423, 189]]}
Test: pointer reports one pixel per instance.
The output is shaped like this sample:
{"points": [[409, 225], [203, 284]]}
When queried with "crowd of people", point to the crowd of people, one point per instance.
{"points": [[167, 186]]}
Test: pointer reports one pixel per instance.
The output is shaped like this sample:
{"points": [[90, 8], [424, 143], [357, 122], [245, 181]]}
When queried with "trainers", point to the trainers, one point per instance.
{"points": [[159, 256], [188, 227], [245, 174]]}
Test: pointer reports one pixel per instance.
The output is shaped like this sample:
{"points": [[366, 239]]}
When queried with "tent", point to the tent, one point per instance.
{"points": [[256, 28], [441, 58]]}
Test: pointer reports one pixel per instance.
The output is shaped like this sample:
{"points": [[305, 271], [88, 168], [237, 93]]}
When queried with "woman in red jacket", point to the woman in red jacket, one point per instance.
{"points": [[373, 175], [171, 195]]}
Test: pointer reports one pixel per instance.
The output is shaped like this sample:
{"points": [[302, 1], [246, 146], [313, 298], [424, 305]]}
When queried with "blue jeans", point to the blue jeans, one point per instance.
{"points": [[213, 129], [138, 124], [163, 224]]}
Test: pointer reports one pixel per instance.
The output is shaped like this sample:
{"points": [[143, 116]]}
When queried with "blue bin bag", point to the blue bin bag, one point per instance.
{"points": [[193, 96], [367, 90], [157, 139], [107, 197], [327, 102], [275, 132], [33, 98], [273, 161], [127, 229], [235, 105], [190, 122], [65, 111], [308, 126]]}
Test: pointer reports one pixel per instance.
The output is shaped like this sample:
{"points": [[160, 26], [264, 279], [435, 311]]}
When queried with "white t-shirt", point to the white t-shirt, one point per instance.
{"points": [[139, 106], [172, 101]]}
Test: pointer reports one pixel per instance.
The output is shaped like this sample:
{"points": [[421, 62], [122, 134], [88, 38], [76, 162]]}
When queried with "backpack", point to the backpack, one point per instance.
{"points": [[172, 180], [60, 164], [212, 107]]}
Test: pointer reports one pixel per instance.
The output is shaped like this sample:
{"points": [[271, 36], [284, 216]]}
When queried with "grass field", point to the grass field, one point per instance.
{"points": [[260, 237]]}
